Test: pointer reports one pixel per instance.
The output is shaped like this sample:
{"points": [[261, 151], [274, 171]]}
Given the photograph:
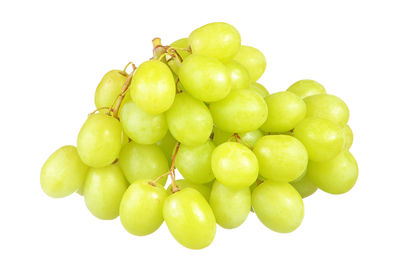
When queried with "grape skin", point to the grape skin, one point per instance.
{"points": [[253, 60], [249, 138], [259, 88], [348, 137], [306, 87], [167, 145], [204, 189], [239, 76], [109, 88], [304, 186]]}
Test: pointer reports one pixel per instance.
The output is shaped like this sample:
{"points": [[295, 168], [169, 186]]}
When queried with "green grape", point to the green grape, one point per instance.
{"points": [[335, 176], [234, 165], [249, 138], [181, 43], [306, 87], [141, 207], [278, 206], [109, 88], [138, 161], [328, 107], [153, 87], [167, 145], [239, 76], [304, 185], [103, 191], [285, 111], [204, 189], [142, 127], [348, 137], [194, 162], [218, 39], [220, 136], [241, 111], [124, 140], [99, 140], [281, 157], [230, 206], [205, 78], [189, 120], [260, 89], [322, 138], [63, 172], [190, 219], [253, 60]]}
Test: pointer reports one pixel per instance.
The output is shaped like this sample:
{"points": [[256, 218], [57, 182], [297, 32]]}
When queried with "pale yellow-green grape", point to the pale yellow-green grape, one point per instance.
{"points": [[281, 157], [183, 53], [230, 206], [260, 89], [335, 176], [204, 189], [249, 138], [241, 111], [306, 87], [278, 206], [348, 137], [285, 111], [322, 138], [63, 172], [304, 186], [99, 140], [189, 120], [194, 162], [190, 219], [124, 139], [234, 165], [142, 127], [109, 88], [253, 60], [139, 161], [239, 76], [205, 78], [141, 207], [103, 191], [329, 107], [220, 136], [153, 87], [167, 145], [218, 39]]}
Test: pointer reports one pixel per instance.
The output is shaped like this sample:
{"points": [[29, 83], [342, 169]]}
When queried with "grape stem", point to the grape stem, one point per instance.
{"points": [[239, 139], [99, 109]]}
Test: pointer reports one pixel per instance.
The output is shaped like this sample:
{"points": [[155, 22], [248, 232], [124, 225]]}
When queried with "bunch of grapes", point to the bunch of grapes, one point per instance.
{"points": [[196, 106]]}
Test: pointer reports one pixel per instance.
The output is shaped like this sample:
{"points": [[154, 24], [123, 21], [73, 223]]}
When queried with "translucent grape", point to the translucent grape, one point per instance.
{"points": [[278, 206], [153, 87], [218, 39], [253, 60], [249, 138], [181, 43], [348, 137], [103, 191], [109, 88], [142, 127], [190, 219], [306, 87], [304, 186], [141, 207], [322, 138], [204, 189], [230, 206], [220, 136], [241, 111], [205, 78], [167, 145], [189, 120], [285, 111], [99, 140], [234, 165], [260, 89], [63, 172], [281, 157], [240, 78], [336, 176]]}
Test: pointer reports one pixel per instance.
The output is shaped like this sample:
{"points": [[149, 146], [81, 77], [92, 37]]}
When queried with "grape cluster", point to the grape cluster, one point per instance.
{"points": [[196, 106]]}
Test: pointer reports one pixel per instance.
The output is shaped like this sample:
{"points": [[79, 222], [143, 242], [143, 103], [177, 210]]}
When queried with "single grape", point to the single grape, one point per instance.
{"points": [[183, 53], [234, 165], [253, 60], [278, 206], [153, 87], [230, 206], [167, 145], [249, 138], [205, 78], [260, 89], [99, 140], [204, 189], [109, 88], [281, 157], [240, 78], [220, 136], [306, 87], [348, 137], [322, 138], [141, 207], [103, 191], [329, 107], [241, 111], [138, 161], [218, 39], [142, 127], [304, 185], [285, 111], [336, 176], [63, 172], [189, 120], [194, 162]]}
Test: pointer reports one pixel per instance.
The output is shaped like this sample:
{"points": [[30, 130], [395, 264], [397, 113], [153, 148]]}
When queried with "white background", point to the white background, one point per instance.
{"points": [[54, 53]]}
